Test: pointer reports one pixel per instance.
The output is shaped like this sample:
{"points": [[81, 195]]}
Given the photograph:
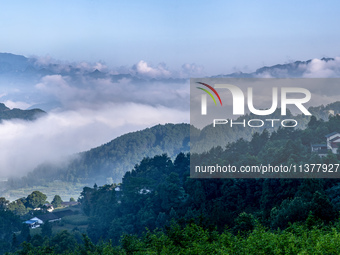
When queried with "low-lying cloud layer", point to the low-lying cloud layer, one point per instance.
{"points": [[92, 93], [55, 136], [91, 104], [88, 105]]}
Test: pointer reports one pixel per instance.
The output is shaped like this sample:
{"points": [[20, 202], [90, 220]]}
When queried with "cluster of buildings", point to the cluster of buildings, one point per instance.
{"points": [[47, 217], [332, 144], [50, 216]]}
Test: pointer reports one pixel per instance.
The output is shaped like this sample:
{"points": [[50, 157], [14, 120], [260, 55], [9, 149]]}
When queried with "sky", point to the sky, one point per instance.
{"points": [[147, 39], [221, 36]]}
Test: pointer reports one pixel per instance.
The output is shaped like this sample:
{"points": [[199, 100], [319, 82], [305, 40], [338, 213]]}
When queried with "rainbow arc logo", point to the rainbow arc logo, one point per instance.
{"points": [[209, 93]]}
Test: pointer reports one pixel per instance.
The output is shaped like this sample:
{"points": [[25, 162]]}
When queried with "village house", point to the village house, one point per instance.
{"points": [[68, 204], [333, 141], [32, 223], [50, 217], [320, 149], [38, 220], [332, 144], [46, 207]]}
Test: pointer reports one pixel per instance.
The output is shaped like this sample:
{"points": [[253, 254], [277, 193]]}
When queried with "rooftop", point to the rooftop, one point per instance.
{"points": [[48, 216], [331, 134], [30, 221], [319, 145]]}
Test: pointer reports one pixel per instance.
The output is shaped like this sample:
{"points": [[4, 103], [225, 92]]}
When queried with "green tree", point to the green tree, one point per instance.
{"points": [[37, 240], [3, 203], [14, 242], [36, 199], [25, 233], [171, 193], [17, 207], [244, 223], [63, 242], [56, 201], [46, 229], [322, 207]]}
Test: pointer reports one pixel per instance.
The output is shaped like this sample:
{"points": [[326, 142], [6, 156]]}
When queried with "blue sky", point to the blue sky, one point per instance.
{"points": [[148, 39], [222, 36]]}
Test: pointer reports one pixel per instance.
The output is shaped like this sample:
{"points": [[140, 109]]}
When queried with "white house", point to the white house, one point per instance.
{"points": [[39, 221], [333, 141], [32, 223]]}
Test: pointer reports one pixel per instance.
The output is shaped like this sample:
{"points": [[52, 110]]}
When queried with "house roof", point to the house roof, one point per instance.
{"points": [[319, 145], [331, 134], [335, 138], [69, 203], [55, 215], [30, 221], [64, 213], [48, 216]]}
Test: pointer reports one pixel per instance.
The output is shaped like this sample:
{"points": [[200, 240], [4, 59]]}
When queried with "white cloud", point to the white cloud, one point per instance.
{"points": [[17, 104], [91, 111], [264, 75], [191, 70], [24, 145], [100, 67], [59, 87], [95, 110], [92, 93], [321, 69], [144, 69]]}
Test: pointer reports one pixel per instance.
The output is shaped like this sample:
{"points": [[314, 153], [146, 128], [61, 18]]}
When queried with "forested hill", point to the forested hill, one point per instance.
{"points": [[109, 162], [159, 209], [6, 113], [159, 191]]}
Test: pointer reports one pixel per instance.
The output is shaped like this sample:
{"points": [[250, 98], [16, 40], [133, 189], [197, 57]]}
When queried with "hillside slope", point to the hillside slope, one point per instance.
{"points": [[109, 162]]}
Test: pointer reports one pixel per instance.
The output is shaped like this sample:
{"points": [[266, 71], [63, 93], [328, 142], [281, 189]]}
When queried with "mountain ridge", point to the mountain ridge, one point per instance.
{"points": [[20, 64], [8, 114]]}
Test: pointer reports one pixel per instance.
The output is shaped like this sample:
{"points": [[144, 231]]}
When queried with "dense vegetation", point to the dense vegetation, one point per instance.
{"points": [[109, 162], [24, 205], [310, 237], [159, 190], [159, 209], [223, 134]]}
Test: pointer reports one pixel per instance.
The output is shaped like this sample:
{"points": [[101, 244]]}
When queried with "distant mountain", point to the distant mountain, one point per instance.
{"points": [[290, 70], [6, 113], [20, 66], [20, 75], [13, 63]]}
